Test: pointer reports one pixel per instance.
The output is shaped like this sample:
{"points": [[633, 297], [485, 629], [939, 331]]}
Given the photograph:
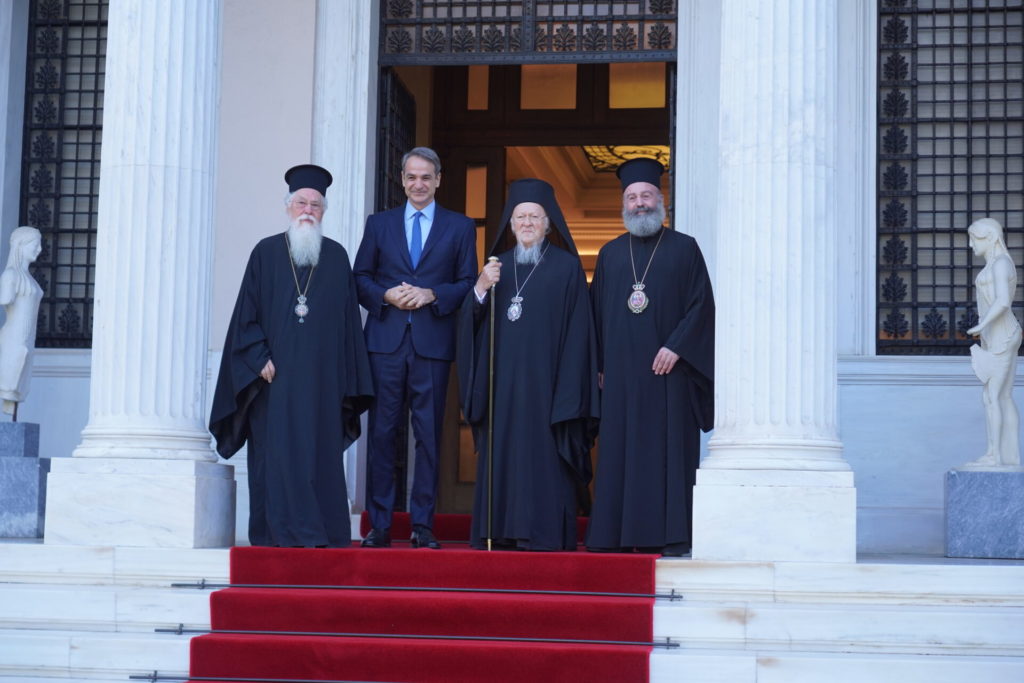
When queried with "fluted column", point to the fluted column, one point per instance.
{"points": [[344, 113], [344, 138], [146, 429], [775, 458]]}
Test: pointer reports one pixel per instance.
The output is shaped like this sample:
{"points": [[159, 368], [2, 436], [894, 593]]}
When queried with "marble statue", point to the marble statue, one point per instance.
{"points": [[995, 360], [20, 295]]}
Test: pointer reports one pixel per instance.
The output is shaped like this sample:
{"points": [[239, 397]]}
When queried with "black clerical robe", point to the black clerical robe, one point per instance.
{"points": [[299, 425], [545, 402], [649, 446]]}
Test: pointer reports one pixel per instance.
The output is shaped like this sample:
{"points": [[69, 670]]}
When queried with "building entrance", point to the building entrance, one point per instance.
{"points": [[569, 124], [569, 95]]}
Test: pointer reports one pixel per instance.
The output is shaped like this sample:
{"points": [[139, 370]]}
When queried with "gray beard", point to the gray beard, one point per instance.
{"points": [[304, 238], [528, 255], [644, 224]]}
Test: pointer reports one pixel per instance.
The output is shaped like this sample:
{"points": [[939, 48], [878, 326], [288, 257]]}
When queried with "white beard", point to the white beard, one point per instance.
{"points": [[304, 238], [528, 255], [644, 224]]}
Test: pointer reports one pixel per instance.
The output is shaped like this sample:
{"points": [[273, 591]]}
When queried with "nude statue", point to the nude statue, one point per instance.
{"points": [[995, 360], [20, 295]]}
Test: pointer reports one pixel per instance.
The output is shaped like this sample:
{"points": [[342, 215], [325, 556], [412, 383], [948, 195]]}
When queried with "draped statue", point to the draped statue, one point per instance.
{"points": [[20, 295], [994, 360]]}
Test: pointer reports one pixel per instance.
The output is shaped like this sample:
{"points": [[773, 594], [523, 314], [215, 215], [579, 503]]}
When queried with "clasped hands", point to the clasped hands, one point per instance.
{"points": [[409, 297]]}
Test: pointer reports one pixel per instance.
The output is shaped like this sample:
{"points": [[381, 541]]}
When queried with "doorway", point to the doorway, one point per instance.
{"points": [[568, 124]]}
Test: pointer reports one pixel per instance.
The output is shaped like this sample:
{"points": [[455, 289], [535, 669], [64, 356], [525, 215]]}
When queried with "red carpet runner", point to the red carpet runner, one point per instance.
{"points": [[447, 527], [443, 620]]}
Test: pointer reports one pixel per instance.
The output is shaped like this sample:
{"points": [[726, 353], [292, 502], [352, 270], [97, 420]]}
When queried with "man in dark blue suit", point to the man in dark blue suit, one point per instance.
{"points": [[413, 269]]}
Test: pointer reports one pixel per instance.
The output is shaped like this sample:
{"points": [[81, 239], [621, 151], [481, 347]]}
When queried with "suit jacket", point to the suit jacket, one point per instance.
{"points": [[447, 265]]}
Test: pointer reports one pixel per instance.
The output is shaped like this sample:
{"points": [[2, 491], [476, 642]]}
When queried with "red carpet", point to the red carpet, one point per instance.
{"points": [[444, 621], [447, 527]]}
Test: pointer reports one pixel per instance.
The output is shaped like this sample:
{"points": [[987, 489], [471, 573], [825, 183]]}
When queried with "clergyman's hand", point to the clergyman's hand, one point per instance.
{"points": [[268, 371], [489, 277], [664, 361]]}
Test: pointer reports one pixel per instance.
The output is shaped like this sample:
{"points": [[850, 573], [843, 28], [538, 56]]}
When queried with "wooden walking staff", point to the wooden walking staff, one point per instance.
{"points": [[490, 413]]}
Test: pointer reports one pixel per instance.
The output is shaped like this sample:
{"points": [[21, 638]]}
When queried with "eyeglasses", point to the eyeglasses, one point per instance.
{"points": [[303, 204], [522, 218]]}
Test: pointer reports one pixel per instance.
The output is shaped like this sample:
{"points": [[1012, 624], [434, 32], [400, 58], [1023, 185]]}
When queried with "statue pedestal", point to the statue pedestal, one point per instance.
{"points": [[22, 481], [985, 514]]}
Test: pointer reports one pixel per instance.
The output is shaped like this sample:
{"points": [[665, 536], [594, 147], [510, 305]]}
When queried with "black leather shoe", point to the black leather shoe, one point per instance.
{"points": [[423, 537], [676, 550], [377, 538]]}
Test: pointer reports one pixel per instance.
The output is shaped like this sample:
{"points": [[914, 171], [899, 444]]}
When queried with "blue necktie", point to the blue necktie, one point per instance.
{"points": [[416, 243]]}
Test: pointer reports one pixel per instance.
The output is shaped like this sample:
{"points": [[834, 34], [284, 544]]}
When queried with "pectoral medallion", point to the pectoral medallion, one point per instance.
{"points": [[301, 309], [515, 309], [638, 301]]}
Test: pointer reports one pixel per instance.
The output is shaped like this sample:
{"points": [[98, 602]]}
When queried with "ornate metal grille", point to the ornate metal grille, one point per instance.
{"points": [[61, 160], [526, 31], [950, 151], [396, 137]]}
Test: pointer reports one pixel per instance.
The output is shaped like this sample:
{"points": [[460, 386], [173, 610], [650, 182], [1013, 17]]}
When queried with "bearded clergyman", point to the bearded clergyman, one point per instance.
{"points": [[545, 374], [655, 319], [294, 377]]}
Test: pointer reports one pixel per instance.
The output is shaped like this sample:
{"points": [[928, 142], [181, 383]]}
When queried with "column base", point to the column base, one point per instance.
{"points": [[136, 502], [775, 516]]}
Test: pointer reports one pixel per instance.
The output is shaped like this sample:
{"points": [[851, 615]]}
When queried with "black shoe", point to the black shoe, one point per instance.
{"points": [[675, 550], [423, 537], [377, 538]]}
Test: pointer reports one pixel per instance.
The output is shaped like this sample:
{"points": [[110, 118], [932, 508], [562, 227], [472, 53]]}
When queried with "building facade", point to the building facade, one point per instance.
{"points": [[827, 156]]}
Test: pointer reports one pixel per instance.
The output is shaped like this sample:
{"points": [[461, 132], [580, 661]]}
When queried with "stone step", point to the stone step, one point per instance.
{"points": [[38, 563], [101, 608], [35, 654], [922, 629], [913, 581], [738, 666]]}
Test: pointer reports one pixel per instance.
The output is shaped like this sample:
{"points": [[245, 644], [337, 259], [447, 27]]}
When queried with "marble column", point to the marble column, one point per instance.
{"points": [[775, 485], [344, 140], [144, 473]]}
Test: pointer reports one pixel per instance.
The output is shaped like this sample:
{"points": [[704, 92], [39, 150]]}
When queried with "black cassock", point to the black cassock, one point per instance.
{"points": [[298, 426], [545, 402], [649, 446]]}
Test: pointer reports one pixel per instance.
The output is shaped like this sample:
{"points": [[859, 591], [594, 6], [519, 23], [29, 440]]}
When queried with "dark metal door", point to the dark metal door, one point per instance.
{"points": [[396, 136]]}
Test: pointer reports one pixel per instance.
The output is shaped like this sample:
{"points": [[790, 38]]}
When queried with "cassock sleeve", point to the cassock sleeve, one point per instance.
{"points": [[471, 359], [694, 338], [575, 409], [359, 385], [595, 306], [245, 354]]}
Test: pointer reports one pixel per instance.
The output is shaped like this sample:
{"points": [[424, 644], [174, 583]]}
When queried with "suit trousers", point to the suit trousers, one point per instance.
{"points": [[425, 381]]}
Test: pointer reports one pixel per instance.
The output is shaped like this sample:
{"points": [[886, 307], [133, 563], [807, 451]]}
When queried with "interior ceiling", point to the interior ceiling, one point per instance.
{"points": [[590, 200]]}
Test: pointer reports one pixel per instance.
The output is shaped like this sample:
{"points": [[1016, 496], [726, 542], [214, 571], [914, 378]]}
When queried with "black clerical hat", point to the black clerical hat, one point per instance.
{"points": [[308, 175], [538, 192], [640, 170]]}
